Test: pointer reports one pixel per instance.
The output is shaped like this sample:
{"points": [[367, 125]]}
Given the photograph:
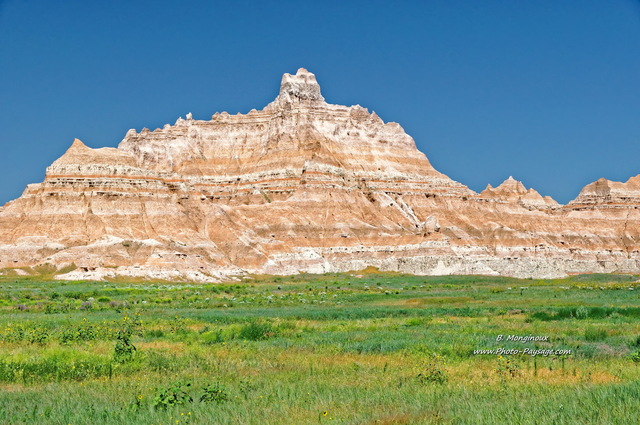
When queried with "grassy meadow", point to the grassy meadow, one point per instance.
{"points": [[368, 348]]}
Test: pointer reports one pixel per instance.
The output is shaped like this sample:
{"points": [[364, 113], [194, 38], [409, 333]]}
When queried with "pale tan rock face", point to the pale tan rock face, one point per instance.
{"points": [[301, 185], [607, 194], [513, 191]]}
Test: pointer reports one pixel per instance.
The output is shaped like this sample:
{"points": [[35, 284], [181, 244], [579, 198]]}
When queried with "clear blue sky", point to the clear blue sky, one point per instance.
{"points": [[545, 90]]}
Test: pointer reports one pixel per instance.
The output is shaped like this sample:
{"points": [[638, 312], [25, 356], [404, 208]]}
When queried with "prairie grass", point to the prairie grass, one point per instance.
{"points": [[367, 348]]}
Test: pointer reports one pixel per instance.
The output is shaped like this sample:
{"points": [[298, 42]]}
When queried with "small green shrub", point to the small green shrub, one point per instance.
{"points": [[212, 337], [417, 321], [256, 331], [214, 394], [162, 300], [582, 313], [53, 308], [38, 336], [246, 387], [174, 395], [507, 367], [177, 325], [434, 371], [124, 349]]}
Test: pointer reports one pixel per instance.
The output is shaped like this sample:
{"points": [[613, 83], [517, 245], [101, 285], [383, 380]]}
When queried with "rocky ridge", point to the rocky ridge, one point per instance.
{"points": [[301, 186]]}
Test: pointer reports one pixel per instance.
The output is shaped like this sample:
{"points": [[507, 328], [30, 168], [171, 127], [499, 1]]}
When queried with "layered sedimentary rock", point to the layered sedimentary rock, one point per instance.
{"points": [[512, 191], [301, 185], [604, 193]]}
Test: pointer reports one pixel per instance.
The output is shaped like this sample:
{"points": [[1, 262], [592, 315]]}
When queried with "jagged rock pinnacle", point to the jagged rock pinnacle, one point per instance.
{"points": [[77, 144], [300, 87]]}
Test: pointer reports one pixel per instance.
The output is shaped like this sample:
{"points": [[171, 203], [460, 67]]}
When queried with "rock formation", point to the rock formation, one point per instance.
{"points": [[301, 186], [512, 190]]}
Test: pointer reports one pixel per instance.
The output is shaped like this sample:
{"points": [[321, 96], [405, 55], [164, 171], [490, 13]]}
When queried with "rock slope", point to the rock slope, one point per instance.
{"points": [[301, 186]]}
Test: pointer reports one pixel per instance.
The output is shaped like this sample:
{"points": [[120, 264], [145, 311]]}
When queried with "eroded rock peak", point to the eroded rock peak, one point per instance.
{"points": [[299, 87]]}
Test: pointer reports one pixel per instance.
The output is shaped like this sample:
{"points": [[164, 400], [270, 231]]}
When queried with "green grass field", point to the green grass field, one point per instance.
{"points": [[368, 348]]}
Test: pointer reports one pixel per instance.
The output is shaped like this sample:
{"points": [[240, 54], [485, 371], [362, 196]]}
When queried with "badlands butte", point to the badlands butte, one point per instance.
{"points": [[300, 186]]}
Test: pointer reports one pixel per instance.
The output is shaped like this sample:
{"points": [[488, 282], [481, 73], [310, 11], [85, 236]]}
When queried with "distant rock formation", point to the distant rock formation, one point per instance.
{"points": [[604, 193], [301, 186], [512, 191]]}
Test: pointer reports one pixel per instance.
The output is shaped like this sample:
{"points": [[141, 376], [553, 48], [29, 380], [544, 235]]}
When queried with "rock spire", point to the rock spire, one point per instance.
{"points": [[301, 87]]}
